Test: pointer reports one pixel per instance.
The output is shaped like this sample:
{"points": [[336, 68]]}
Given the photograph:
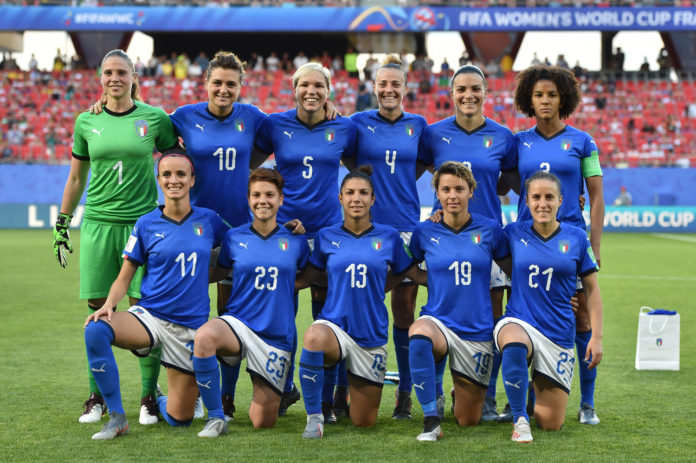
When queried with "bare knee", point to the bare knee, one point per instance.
{"points": [[468, 420], [364, 421], [205, 342], [314, 338], [265, 421]]}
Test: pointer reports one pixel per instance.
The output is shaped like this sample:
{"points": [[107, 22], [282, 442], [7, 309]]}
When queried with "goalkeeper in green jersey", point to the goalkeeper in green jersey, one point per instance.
{"points": [[117, 147]]}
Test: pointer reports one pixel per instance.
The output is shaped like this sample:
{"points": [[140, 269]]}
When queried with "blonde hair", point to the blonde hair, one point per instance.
{"points": [[392, 62], [308, 68]]}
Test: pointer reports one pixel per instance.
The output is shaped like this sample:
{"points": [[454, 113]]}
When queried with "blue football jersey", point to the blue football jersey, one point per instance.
{"points": [[264, 270], [308, 158], [544, 276], [561, 155], [391, 147], [220, 149], [488, 150], [459, 273], [176, 256], [357, 267]]}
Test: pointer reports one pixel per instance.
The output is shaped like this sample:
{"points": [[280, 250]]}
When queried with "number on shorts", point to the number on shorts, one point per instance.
{"points": [[378, 364], [275, 365], [483, 359], [189, 346], [563, 363]]}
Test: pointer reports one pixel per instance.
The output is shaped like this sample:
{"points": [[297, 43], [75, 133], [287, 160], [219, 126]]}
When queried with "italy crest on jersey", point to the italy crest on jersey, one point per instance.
{"points": [[487, 141], [329, 135], [409, 130], [376, 244], [239, 125], [283, 244], [141, 128], [476, 237], [565, 145], [198, 228], [564, 246]]}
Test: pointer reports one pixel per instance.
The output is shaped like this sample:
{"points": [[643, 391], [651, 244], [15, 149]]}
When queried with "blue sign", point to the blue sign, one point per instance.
{"points": [[366, 19]]}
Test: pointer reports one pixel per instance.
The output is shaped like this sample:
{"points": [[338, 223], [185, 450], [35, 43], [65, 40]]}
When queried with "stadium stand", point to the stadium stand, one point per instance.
{"points": [[352, 3], [635, 121]]}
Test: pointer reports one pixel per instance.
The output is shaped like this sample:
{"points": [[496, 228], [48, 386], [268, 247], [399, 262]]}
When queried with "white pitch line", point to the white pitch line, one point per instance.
{"points": [[645, 277], [676, 237]]}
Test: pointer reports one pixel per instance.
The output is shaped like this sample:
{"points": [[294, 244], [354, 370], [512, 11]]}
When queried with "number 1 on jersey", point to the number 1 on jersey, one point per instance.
{"points": [[119, 167]]}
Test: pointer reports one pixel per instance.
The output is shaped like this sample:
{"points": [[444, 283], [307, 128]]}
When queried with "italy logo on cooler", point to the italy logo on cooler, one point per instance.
{"points": [[487, 141], [565, 145], [476, 237], [283, 244], [329, 135], [409, 130], [198, 228], [141, 128], [239, 125], [564, 246], [658, 342], [376, 244]]}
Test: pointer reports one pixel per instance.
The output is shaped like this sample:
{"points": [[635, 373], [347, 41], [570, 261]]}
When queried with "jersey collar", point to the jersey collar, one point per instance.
{"points": [[538, 132], [124, 113], [220, 118], [550, 237], [343, 227], [479, 128], [310, 127], [170, 220], [464, 227], [388, 121], [256, 232]]}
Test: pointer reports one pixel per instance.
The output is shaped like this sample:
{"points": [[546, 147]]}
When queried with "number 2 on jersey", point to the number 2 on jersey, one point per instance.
{"points": [[534, 271]]}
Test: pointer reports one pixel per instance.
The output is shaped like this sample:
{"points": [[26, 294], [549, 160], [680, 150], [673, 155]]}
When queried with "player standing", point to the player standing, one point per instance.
{"points": [[116, 146], [388, 140], [457, 321], [550, 95], [353, 326], [259, 323], [174, 243], [488, 149], [548, 256], [308, 150]]}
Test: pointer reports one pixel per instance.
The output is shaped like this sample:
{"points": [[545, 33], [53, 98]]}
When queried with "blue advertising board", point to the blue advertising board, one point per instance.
{"points": [[323, 19]]}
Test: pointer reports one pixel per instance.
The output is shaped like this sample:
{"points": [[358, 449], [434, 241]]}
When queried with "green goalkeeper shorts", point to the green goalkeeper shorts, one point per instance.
{"points": [[101, 258]]}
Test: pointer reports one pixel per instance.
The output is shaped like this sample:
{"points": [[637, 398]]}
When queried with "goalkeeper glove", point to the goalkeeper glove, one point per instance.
{"points": [[61, 238]]}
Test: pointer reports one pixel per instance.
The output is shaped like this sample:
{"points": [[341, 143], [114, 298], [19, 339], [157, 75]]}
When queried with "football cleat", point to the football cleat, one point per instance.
{"points": [[521, 432], [288, 399], [341, 406], [315, 427], [328, 412], [402, 410], [228, 406], [149, 411], [490, 413], [587, 415], [116, 426], [431, 430], [95, 408], [214, 427]]}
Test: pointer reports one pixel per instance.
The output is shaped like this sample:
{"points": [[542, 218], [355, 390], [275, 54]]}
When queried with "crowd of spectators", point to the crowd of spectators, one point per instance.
{"points": [[354, 3], [635, 120]]}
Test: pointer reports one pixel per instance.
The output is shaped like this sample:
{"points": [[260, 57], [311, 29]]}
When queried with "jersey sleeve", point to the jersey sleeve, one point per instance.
{"points": [[220, 228], [590, 159], [425, 148], [258, 117], [80, 149], [225, 259], [177, 120], [415, 245], [509, 161], [501, 245], [303, 258], [588, 263], [135, 247], [318, 259], [166, 138], [351, 145], [401, 261], [264, 141]]}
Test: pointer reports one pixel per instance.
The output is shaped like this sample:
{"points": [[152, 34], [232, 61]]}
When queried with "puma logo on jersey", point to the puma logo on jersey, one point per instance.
{"points": [[419, 386], [448, 140], [161, 235], [371, 129], [101, 368], [436, 240], [289, 134], [528, 145], [515, 385], [336, 243], [524, 242], [98, 132], [311, 378], [200, 126], [244, 245], [206, 385]]}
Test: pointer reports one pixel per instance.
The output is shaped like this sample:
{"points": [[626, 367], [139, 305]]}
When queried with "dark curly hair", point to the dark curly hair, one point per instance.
{"points": [[565, 82]]}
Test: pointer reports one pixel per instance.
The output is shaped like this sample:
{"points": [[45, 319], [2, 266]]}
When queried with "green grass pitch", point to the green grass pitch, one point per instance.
{"points": [[646, 415]]}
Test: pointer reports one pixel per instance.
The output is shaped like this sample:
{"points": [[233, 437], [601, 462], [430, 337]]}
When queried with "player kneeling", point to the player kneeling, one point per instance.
{"points": [[539, 325], [259, 322], [174, 242]]}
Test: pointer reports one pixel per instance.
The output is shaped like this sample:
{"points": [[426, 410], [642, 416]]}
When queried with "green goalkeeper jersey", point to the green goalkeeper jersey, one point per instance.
{"points": [[119, 147]]}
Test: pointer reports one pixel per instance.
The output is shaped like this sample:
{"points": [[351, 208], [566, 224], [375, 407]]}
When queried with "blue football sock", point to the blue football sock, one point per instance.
{"points": [[327, 392], [98, 339], [230, 376], [312, 379], [587, 376], [440, 375], [516, 378], [342, 379], [208, 379], [162, 405], [495, 368], [423, 372], [290, 380], [401, 344]]}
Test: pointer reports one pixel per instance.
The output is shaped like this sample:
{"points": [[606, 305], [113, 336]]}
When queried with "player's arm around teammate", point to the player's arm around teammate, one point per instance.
{"points": [[353, 325], [259, 321], [457, 321], [174, 242], [547, 257]]}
